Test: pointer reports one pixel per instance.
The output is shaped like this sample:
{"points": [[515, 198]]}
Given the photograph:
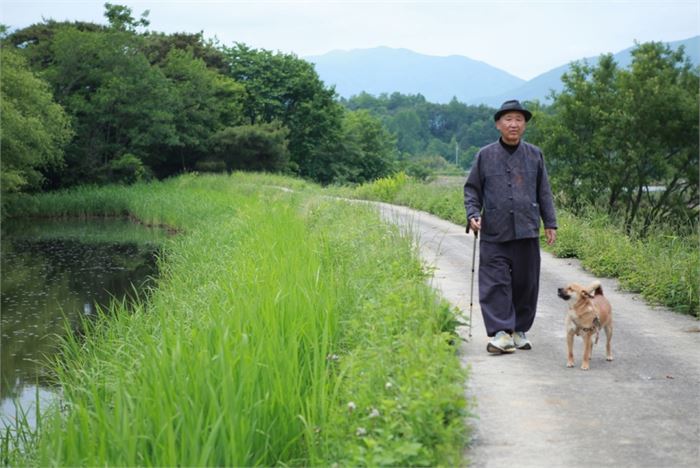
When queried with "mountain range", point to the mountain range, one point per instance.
{"points": [[439, 79]]}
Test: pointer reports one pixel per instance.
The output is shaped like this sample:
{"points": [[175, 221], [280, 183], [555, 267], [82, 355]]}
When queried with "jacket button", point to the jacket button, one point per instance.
{"points": [[511, 211]]}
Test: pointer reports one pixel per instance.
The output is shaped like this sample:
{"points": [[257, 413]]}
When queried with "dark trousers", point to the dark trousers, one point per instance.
{"points": [[509, 279]]}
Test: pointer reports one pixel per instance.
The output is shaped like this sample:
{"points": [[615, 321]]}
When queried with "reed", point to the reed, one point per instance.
{"points": [[274, 310]]}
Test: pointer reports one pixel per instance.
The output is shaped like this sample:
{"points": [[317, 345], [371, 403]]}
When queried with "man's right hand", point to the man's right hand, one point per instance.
{"points": [[475, 224]]}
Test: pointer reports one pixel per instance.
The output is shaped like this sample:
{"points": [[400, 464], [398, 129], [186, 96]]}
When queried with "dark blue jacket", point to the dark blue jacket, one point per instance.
{"points": [[509, 192]]}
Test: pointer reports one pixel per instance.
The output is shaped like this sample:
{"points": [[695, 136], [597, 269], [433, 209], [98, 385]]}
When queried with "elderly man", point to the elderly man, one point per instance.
{"points": [[506, 194]]}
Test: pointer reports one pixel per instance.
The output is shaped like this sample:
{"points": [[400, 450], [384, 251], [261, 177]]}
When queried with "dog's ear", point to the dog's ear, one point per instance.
{"points": [[594, 288]]}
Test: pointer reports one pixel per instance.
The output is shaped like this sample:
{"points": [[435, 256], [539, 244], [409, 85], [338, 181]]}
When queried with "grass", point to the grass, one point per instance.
{"points": [[285, 329], [664, 268]]}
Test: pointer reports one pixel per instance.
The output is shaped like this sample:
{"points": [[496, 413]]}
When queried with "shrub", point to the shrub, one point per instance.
{"points": [[127, 169]]}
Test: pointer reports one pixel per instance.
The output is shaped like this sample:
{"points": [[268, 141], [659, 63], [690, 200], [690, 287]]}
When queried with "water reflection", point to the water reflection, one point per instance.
{"points": [[53, 271]]}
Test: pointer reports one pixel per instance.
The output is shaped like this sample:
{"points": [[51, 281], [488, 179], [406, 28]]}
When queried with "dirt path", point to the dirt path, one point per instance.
{"points": [[642, 409]]}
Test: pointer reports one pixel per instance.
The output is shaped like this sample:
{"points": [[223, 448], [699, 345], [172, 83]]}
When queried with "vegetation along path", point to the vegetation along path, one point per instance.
{"points": [[638, 410]]}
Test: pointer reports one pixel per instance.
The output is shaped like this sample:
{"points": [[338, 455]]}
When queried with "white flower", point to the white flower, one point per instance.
{"points": [[374, 413], [351, 406], [361, 431], [388, 385]]}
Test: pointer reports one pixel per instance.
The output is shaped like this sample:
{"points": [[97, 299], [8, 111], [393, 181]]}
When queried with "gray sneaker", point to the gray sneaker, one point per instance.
{"points": [[521, 342], [501, 343]]}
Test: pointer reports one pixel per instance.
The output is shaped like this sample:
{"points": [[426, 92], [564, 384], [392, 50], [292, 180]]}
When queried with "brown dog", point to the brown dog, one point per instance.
{"points": [[589, 311]]}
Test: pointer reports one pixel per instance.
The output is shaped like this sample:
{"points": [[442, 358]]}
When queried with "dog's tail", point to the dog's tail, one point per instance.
{"points": [[595, 289]]}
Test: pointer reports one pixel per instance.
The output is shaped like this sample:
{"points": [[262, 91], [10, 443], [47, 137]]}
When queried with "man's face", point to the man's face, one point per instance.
{"points": [[512, 126]]}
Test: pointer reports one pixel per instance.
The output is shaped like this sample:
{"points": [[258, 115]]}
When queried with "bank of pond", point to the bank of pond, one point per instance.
{"points": [[278, 328], [55, 275]]}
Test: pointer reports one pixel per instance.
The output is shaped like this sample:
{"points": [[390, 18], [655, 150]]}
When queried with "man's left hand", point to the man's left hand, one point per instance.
{"points": [[550, 235]]}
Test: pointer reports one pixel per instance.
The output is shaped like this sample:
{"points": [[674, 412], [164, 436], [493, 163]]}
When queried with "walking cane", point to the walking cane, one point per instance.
{"points": [[471, 294]]}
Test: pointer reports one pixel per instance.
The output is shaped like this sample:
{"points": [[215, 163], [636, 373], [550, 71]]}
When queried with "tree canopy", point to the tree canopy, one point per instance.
{"points": [[34, 130], [425, 130], [139, 104], [627, 139], [285, 88]]}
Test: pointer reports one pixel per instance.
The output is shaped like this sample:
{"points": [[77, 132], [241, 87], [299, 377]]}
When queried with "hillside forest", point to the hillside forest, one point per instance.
{"points": [[85, 103]]}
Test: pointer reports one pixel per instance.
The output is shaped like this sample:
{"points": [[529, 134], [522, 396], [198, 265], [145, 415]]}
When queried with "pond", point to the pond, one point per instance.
{"points": [[55, 273]]}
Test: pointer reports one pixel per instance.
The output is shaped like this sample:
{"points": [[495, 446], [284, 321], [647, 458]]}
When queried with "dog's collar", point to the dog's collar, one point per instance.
{"points": [[594, 328]]}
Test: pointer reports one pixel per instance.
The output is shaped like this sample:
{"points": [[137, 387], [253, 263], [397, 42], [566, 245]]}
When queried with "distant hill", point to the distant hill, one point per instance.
{"points": [[540, 86], [386, 70]]}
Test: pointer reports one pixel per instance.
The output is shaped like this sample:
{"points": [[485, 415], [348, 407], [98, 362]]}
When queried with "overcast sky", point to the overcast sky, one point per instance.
{"points": [[525, 38]]}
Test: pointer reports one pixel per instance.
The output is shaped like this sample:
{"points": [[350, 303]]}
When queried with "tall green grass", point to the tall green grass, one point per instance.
{"points": [[664, 267], [285, 329]]}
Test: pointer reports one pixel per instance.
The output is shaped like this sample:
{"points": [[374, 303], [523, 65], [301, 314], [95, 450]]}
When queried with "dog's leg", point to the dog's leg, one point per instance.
{"points": [[587, 350], [570, 349], [608, 339]]}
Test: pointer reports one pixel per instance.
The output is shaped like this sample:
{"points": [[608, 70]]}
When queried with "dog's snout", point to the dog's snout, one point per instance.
{"points": [[561, 292]]}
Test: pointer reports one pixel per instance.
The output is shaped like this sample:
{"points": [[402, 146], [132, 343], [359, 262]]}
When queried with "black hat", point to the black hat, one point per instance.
{"points": [[512, 106]]}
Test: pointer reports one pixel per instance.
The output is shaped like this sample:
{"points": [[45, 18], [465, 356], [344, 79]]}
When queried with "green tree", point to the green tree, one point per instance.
{"points": [[203, 103], [118, 101], [467, 157], [427, 129], [157, 46], [127, 169], [411, 133], [34, 129], [259, 147], [161, 108], [479, 130], [580, 136], [662, 91], [35, 41], [120, 17], [614, 133], [285, 88], [368, 148], [437, 147]]}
